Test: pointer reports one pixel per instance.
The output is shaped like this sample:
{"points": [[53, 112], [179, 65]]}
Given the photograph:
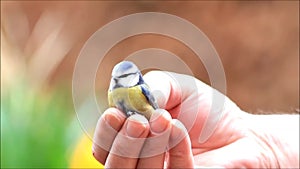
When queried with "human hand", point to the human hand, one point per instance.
{"points": [[224, 138], [127, 144]]}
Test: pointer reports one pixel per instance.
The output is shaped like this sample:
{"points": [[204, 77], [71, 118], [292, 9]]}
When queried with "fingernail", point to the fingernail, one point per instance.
{"points": [[159, 121], [136, 125], [112, 120]]}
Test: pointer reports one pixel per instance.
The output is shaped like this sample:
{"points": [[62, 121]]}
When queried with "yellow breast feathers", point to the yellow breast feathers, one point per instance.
{"points": [[130, 99]]}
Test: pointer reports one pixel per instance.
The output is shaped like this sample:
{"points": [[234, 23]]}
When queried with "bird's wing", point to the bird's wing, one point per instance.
{"points": [[149, 96]]}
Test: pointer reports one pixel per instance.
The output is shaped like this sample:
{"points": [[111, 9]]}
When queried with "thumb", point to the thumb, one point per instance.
{"points": [[170, 89], [198, 106]]}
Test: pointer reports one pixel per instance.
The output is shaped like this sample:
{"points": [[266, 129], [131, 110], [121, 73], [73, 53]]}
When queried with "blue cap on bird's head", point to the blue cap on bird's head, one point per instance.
{"points": [[124, 68], [125, 74]]}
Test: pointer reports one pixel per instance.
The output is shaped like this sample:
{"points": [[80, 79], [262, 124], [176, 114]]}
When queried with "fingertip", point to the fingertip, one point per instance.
{"points": [[161, 112], [160, 121], [128, 143], [137, 126], [107, 128], [99, 156], [114, 111], [112, 117]]}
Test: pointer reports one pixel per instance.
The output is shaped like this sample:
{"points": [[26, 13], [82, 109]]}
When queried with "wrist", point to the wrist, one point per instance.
{"points": [[280, 136]]}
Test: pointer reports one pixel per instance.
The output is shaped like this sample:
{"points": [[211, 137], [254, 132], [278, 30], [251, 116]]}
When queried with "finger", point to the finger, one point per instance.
{"points": [[173, 88], [180, 153], [106, 130], [193, 102], [153, 152], [183, 96], [163, 90], [128, 143]]}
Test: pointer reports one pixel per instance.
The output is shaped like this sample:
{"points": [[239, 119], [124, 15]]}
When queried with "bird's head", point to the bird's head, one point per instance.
{"points": [[125, 74]]}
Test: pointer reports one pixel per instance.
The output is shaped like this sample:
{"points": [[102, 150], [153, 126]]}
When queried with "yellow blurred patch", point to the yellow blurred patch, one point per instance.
{"points": [[82, 156]]}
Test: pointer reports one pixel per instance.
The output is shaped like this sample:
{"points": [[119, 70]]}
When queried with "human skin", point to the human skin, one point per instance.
{"points": [[239, 139]]}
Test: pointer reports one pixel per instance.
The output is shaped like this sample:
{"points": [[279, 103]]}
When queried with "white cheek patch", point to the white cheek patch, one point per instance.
{"points": [[123, 82], [134, 80], [129, 81]]}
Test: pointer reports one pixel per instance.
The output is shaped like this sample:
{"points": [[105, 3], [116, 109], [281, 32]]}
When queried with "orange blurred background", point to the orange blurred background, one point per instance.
{"points": [[258, 42]]}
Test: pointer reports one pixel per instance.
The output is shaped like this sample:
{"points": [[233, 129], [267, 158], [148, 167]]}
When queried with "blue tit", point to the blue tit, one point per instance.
{"points": [[128, 91]]}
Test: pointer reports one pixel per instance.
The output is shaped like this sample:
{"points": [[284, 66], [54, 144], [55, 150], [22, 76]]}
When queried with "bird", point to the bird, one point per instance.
{"points": [[128, 91]]}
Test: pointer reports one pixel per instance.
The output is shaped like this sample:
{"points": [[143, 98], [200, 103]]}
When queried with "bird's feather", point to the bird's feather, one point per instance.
{"points": [[149, 96]]}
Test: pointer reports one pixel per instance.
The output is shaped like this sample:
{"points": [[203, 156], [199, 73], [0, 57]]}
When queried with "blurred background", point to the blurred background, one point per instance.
{"points": [[258, 43]]}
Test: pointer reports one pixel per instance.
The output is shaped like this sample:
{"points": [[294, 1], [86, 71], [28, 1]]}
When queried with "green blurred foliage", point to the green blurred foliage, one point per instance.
{"points": [[35, 127]]}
